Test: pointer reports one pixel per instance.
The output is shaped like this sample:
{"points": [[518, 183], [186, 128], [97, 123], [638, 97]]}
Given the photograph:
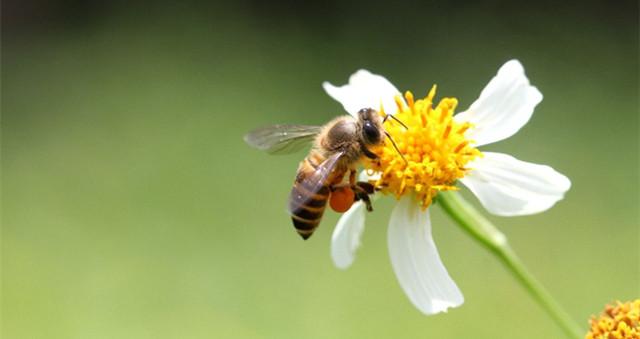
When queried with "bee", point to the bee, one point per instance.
{"points": [[338, 148]]}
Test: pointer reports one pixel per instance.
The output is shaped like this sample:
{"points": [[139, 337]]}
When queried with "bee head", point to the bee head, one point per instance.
{"points": [[371, 126], [373, 132]]}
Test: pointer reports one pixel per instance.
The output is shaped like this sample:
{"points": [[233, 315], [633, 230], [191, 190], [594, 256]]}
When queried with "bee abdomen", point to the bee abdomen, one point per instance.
{"points": [[306, 217]]}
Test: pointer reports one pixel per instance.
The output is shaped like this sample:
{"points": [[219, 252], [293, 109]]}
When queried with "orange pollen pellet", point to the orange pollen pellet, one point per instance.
{"points": [[341, 199]]}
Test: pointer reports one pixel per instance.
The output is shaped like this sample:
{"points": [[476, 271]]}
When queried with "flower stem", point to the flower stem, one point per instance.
{"points": [[490, 237]]}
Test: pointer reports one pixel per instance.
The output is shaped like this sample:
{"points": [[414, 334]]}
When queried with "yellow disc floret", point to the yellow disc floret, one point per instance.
{"points": [[618, 321], [433, 145]]}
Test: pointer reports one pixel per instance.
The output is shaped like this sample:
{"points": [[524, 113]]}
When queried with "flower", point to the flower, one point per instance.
{"points": [[440, 150], [617, 321]]}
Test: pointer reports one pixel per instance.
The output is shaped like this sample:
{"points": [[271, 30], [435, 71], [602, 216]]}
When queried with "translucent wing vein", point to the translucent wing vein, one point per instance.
{"points": [[281, 139]]}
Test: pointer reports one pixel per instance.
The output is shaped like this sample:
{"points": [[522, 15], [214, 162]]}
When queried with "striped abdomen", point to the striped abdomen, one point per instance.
{"points": [[310, 193], [307, 215]]}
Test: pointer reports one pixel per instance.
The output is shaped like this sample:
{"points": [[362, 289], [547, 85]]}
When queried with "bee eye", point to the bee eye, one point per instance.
{"points": [[371, 133]]}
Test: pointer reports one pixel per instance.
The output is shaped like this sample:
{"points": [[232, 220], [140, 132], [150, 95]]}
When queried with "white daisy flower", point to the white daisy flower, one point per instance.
{"points": [[440, 149]]}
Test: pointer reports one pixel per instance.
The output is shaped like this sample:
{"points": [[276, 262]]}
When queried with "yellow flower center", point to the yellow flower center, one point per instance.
{"points": [[434, 147], [618, 321]]}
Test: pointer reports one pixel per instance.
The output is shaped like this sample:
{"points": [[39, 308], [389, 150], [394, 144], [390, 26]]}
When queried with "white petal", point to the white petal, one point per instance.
{"points": [[415, 260], [504, 106], [364, 90], [346, 236], [508, 186]]}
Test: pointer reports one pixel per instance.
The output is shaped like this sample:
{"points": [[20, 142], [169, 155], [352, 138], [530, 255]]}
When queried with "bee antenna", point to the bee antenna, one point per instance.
{"points": [[396, 119], [395, 146]]}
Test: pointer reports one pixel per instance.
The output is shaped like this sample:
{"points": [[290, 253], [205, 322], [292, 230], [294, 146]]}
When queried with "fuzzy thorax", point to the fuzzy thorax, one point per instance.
{"points": [[433, 144]]}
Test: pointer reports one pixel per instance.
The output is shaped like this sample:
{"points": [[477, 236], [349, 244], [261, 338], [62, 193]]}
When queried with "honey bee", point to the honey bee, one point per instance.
{"points": [[338, 147]]}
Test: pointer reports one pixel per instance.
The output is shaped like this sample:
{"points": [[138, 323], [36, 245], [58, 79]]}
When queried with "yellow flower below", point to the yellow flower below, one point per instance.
{"points": [[433, 145], [617, 321]]}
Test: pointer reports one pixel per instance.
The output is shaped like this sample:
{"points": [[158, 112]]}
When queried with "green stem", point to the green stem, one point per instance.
{"points": [[490, 237]]}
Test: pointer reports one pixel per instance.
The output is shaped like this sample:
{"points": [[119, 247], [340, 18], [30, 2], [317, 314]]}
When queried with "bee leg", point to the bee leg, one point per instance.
{"points": [[365, 187], [340, 185], [365, 197], [368, 153], [363, 190], [352, 180]]}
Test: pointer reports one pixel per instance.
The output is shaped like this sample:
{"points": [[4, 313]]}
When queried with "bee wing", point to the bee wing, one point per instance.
{"points": [[281, 139], [313, 184]]}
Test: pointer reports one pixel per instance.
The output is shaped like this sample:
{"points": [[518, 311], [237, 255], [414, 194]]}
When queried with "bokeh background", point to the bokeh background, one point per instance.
{"points": [[131, 208]]}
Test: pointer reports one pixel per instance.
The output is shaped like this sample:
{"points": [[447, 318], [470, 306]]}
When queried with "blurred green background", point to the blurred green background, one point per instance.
{"points": [[131, 208]]}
